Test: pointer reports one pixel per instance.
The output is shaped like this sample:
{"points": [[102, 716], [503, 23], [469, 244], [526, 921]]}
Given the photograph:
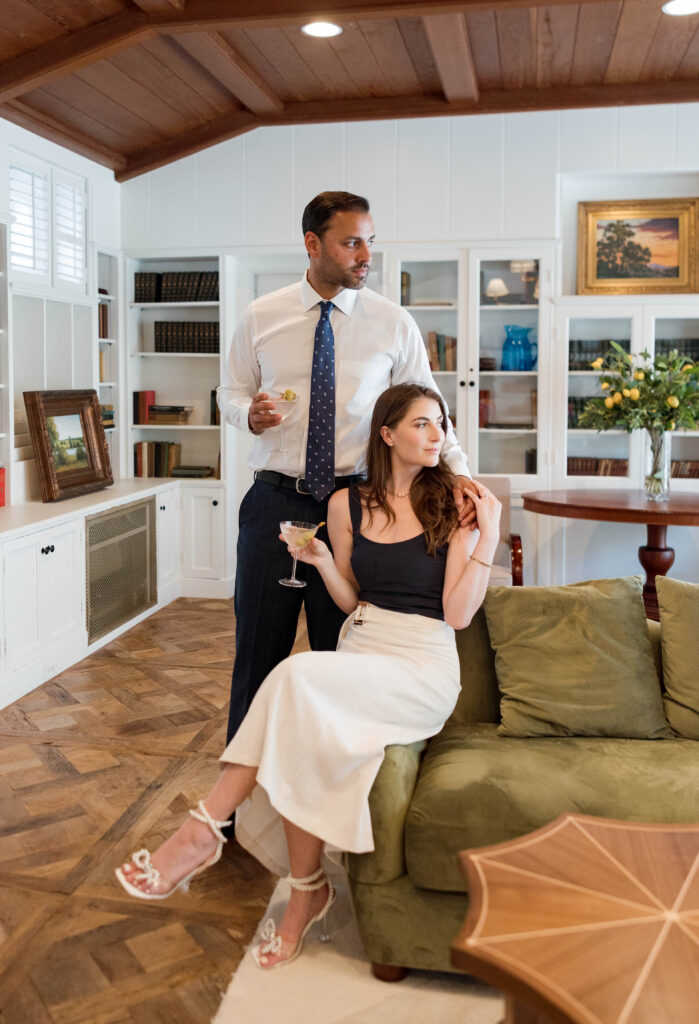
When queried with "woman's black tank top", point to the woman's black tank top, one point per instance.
{"points": [[401, 577]]}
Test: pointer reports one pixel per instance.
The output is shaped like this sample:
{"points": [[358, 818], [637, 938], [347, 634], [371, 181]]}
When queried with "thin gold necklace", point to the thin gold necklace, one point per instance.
{"points": [[398, 494]]}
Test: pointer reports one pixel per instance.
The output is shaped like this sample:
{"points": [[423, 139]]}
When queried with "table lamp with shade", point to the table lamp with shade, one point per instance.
{"points": [[496, 289]]}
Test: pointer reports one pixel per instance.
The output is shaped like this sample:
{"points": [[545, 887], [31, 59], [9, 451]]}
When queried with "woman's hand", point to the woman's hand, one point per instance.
{"points": [[316, 552], [488, 510]]}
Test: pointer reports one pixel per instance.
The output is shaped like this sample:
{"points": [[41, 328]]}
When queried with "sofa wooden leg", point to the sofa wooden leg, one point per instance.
{"points": [[387, 972]]}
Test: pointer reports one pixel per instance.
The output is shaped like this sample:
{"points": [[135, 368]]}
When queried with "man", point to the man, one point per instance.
{"points": [[336, 347]]}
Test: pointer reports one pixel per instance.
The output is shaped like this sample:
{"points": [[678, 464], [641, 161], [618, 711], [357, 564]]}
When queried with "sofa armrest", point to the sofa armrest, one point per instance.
{"points": [[389, 801]]}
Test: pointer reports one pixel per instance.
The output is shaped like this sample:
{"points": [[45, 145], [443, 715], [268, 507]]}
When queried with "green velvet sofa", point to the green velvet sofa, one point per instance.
{"points": [[470, 786]]}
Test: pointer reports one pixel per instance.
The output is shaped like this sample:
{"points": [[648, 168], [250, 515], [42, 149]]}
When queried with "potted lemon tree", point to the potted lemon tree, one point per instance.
{"points": [[657, 396]]}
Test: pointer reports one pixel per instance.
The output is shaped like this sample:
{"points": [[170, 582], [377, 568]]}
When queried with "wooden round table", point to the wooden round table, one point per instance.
{"points": [[624, 506], [587, 921]]}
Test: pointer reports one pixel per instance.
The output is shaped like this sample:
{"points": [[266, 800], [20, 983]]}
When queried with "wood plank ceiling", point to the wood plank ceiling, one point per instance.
{"points": [[135, 84]]}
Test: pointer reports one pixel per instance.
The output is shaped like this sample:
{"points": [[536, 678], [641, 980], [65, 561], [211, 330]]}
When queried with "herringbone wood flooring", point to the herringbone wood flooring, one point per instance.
{"points": [[103, 759]]}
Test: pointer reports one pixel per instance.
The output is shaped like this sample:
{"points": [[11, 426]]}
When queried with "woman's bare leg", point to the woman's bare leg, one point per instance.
{"points": [[194, 842], [304, 859]]}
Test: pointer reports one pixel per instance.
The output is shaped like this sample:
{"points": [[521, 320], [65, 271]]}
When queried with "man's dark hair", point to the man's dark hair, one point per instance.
{"points": [[320, 211]]}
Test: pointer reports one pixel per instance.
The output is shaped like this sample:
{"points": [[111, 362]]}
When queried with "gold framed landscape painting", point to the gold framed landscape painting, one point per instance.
{"points": [[637, 246]]}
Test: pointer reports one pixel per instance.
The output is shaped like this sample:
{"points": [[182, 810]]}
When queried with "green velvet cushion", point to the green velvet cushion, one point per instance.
{"points": [[477, 788], [679, 634], [479, 698], [575, 661]]}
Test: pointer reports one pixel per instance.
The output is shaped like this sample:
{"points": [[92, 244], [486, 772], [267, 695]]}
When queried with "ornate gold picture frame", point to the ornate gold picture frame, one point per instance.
{"points": [[69, 443], [639, 246]]}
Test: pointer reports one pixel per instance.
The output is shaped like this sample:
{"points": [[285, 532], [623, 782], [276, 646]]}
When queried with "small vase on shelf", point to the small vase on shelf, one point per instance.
{"points": [[656, 477]]}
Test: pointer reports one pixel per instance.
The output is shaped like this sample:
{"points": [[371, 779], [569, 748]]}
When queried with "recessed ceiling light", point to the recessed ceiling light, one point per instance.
{"points": [[681, 7], [323, 29]]}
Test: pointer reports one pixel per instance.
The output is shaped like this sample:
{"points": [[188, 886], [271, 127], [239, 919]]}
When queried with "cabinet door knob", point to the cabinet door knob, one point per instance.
{"points": [[214, 502], [472, 383], [462, 383], [162, 508], [44, 551], [52, 548]]}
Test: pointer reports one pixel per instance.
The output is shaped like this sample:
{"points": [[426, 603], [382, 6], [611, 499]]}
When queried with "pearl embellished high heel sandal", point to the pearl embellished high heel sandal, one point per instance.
{"points": [[150, 874], [271, 942]]}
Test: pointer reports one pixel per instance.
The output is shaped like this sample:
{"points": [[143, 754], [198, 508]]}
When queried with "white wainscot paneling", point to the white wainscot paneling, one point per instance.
{"points": [[269, 216], [319, 164], [476, 176], [172, 205], [687, 135], [531, 165], [371, 162], [221, 194], [423, 179], [647, 138], [134, 212], [589, 140]]}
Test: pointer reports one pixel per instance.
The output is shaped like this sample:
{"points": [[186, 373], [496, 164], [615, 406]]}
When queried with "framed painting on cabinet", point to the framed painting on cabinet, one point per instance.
{"points": [[640, 247], [69, 442]]}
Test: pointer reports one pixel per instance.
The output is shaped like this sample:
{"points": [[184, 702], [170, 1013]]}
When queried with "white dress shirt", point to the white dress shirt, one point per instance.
{"points": [[377, 344]]}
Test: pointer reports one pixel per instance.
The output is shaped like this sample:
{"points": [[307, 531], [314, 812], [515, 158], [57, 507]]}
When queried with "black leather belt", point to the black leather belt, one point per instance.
{"points": [[268, 476]]}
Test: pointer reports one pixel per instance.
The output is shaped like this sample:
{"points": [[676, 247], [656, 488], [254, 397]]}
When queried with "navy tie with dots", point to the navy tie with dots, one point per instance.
{"points": [[320, 450]]}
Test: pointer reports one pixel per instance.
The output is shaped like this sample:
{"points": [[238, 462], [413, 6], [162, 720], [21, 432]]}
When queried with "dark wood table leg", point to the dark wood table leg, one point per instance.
{"points": [[656, 558]]}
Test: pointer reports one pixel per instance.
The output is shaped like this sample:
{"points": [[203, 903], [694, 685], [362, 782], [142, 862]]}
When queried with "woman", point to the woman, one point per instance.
{"points": [[309, 749]]}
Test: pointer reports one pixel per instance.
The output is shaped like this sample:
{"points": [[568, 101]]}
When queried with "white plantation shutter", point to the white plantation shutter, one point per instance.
{"points": [[68, 230], [29, 233]]}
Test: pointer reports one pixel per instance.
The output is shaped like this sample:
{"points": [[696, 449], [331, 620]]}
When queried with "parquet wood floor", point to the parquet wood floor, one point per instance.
{"points": [[101, 760]]}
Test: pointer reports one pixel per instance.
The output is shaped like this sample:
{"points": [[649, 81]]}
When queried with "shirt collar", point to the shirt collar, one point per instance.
{"points": [[344, 300]]}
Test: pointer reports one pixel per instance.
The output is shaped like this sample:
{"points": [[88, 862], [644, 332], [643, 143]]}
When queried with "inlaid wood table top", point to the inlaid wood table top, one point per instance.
{"points": [[587, 920], [620, 506]]}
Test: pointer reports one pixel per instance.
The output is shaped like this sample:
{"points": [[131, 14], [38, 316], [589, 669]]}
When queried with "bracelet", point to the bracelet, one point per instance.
{"points": [[488, 565]]}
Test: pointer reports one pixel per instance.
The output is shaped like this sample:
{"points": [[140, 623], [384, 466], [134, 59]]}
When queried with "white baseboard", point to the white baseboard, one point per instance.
{"points": [[222, 590]]}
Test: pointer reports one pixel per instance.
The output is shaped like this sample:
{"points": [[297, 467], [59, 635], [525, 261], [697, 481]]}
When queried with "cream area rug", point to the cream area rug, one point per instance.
{"points": [[332, 983]]}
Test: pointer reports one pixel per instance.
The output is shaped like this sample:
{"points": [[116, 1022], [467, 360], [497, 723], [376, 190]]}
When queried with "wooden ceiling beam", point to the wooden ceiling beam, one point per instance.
{"points": [[220, 130], [160, 6], [448, 38], [71, 52], [220, 59], [21, 114], [199, 14], [492, 101]]}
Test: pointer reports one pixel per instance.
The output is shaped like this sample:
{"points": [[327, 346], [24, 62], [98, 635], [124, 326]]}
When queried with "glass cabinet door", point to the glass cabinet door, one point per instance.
{"points": [[678, 331], [429, 290], [583, 335], [506, 367]]}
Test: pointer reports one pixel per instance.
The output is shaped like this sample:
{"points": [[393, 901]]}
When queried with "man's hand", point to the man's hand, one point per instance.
{"points": [[462, 496], [261, 414]]}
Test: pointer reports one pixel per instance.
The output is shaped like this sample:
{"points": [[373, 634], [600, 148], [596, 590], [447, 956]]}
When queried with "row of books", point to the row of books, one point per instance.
{"points": [[685, 469], [155, 458], [576, 404], [146, 412], [685, 347], [583, 351], [186, 336], [578, 465], [107, 416], [103, 320], [178, 286], [142, 401], [441, 351]]}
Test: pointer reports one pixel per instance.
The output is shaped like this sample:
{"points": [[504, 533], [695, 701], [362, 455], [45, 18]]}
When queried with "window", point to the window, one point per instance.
{"points": [[48, 233], [29, 234]]}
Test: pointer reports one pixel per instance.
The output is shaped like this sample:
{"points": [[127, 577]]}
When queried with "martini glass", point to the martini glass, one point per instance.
{"points": [[283, 407], [296, 535]]}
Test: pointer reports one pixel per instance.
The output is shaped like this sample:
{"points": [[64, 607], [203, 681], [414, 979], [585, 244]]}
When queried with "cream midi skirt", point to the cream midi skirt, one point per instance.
{"points": [[319, 724]]}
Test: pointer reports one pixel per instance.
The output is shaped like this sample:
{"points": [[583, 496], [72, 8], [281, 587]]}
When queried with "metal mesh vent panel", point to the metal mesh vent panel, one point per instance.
{"points": [[121, 566]]}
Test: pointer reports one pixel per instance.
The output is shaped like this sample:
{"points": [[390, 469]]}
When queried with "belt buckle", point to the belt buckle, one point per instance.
{"points": [[300, 480]]}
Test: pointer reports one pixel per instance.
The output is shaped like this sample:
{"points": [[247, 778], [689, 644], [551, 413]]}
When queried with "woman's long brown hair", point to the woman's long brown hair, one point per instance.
{"points": [[431, 493]]}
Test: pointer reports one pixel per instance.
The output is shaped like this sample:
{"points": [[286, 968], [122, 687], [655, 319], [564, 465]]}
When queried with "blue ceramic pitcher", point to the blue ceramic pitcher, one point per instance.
{"points": [[518, 352]]}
